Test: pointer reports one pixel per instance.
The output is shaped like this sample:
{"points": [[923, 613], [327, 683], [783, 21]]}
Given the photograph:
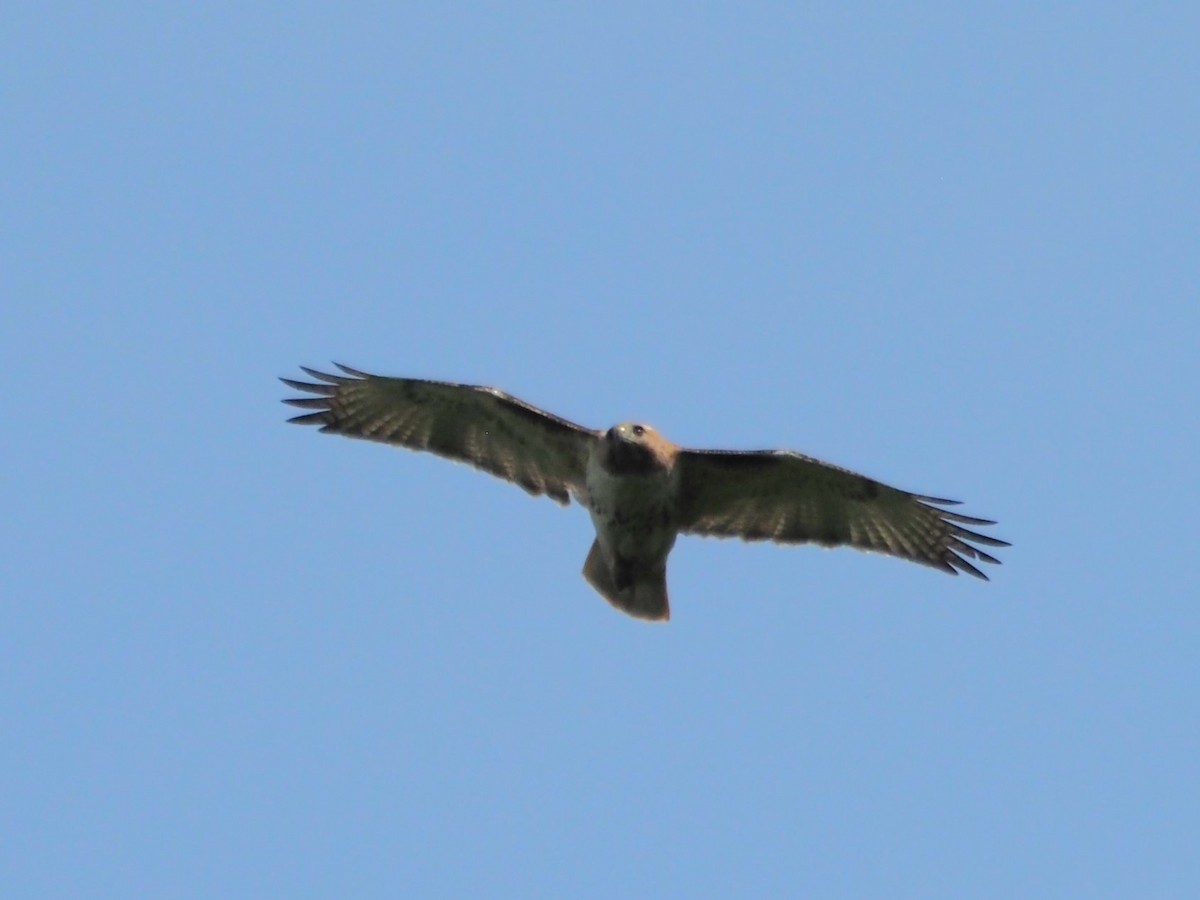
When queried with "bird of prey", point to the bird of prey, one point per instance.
{"points": [[641, 490]]}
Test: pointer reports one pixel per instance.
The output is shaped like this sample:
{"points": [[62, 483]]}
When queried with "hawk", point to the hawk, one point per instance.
{"points": [[641, 490]]}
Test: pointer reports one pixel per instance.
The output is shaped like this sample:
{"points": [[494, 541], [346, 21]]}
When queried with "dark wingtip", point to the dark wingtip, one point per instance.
{"points": [[308, 419], [324, 376], [961, 564], [966, 536], [354, 372], [940, 501], [987, 557], [966, 520]]}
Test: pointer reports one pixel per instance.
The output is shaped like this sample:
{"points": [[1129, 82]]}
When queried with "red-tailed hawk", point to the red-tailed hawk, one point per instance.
{"points": [[643, 491]]}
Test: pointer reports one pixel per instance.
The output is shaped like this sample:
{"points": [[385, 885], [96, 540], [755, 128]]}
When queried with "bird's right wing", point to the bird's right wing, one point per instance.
{"points": [[481, 426]]}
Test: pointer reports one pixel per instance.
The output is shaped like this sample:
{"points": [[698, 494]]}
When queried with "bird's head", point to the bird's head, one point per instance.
{"points": [[636, 449], [629, 433]]}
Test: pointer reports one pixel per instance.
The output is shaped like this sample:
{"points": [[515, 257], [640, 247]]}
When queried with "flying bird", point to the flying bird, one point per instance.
{"points": [[641, 490]]}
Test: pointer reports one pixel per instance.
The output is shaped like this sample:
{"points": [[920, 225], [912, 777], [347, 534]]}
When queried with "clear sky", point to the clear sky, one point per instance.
{"points": [[955, 247]]}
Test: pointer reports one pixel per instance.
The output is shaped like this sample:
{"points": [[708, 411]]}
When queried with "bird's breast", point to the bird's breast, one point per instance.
{"points": [[633, 514]]}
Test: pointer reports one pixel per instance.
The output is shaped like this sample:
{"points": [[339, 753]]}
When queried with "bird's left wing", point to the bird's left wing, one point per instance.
{"points": [[783, 496], [481, 426]]}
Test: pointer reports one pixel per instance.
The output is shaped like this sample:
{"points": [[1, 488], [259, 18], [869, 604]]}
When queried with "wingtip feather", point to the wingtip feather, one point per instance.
{"points": [[961, 563], [353, 372], [325, 376], [940, 501]]}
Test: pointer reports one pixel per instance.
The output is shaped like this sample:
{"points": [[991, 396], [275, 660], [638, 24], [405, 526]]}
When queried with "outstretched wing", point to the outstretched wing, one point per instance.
{"points": [[480, 426], [779, 495]]}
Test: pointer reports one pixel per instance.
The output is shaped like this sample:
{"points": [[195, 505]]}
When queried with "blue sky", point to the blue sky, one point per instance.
{"points": [[953, 248]]}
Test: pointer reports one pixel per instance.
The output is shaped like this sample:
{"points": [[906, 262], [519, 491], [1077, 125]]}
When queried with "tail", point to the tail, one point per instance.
{"points": [[644, 595]]}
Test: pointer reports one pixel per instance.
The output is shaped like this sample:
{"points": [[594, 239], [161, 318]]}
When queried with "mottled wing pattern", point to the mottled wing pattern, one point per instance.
{"points": [[779, 495], [481, 426]]}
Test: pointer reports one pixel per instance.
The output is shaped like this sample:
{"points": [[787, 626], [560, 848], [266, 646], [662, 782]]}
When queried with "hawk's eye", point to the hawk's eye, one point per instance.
{"points": [[639, 430]]}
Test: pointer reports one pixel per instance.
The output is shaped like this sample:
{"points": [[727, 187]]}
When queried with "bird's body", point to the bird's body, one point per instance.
{"points": [[641, 490], [630, 493]]}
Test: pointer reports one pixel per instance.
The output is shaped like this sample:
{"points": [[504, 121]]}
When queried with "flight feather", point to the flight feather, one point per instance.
{"points": [[481, 426]]}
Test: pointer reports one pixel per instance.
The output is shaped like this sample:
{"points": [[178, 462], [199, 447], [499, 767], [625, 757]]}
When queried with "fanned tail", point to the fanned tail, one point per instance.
{"points": [[644, 597]]}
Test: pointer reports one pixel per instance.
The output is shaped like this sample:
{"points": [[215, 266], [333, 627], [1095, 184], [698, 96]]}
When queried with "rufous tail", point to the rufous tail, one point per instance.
{"points": [[644, 597]]}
